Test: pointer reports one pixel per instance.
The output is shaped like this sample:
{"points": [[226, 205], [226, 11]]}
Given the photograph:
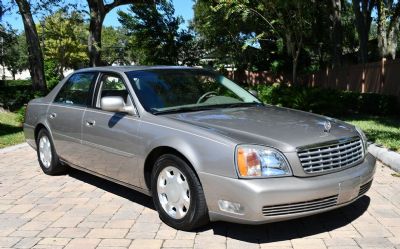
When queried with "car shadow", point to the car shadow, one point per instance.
{"points": [[315, 225], [112, 187]]}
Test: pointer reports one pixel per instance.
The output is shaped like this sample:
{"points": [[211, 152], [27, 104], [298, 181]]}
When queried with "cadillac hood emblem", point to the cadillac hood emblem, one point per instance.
{"points": [[327, 126]]}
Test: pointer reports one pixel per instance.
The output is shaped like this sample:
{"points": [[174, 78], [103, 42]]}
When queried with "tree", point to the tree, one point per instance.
{"points": [[337, 32], [362, 11], [114, 43], [231, 39], [35, 56], [153, 32], [64, 43], [98, 10], [190, 48], [16, 54], [289, 20], [388, 27]]}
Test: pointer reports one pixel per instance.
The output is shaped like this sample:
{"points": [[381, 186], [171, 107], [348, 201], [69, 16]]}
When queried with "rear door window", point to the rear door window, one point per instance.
{"points": [[77, 90]]}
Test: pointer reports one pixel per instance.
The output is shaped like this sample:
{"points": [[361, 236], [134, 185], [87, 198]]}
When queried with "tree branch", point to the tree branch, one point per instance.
{"points": [[116, 3]]}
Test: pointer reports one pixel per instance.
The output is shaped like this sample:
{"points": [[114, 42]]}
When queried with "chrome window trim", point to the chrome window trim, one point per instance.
{"points": [[97, 89]]}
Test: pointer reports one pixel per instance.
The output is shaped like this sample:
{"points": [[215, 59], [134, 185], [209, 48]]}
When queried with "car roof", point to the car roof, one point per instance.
{"points": [[123, 69]]}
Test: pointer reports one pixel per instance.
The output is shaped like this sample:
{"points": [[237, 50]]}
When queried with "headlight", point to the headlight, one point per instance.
{"points": [[259, 161], [363, 138]]}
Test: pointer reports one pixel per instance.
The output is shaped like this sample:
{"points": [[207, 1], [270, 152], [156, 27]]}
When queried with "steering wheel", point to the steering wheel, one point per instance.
{"points": [[206, 95]]}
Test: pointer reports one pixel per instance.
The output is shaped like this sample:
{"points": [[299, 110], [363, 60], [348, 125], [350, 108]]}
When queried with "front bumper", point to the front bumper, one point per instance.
{"points": [[284, 198]]}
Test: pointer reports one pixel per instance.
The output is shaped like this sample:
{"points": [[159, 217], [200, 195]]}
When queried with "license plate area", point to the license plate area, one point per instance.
{"points": [[348, 190]]}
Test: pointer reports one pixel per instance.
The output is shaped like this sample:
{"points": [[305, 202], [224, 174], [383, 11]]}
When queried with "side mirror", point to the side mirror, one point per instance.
{"points": [[116, 104], [253, 92]]}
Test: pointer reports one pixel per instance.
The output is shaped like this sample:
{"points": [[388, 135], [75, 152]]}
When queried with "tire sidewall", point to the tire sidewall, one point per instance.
{"points": [[54, 157], [191, 178]]}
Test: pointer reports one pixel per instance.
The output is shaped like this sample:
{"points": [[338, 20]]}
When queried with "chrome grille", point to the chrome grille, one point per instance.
{"points": [[300, 207], [332, 156], [364, 188]]}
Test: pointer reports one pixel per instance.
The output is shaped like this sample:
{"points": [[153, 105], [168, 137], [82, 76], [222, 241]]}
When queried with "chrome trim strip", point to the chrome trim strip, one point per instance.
{"points": [[128, 116], [328, 143], [67, 106]]}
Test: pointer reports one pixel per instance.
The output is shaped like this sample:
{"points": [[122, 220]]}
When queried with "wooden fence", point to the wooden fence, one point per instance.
{"points": [[378, 77]]}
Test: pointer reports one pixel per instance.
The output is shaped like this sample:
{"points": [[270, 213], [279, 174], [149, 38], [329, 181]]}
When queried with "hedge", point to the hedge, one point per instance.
{"points": [[329, 102]]}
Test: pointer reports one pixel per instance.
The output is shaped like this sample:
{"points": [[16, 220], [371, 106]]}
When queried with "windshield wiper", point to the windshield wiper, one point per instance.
{"points": [[243, 104], [184, 109], [204, 108]]}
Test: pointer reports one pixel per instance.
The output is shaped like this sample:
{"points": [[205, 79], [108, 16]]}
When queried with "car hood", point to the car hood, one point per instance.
{"points": [[282, 128]]}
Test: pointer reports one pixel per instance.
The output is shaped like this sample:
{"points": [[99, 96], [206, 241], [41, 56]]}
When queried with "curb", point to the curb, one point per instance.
{"points": [[387, 157], [14, 147]]}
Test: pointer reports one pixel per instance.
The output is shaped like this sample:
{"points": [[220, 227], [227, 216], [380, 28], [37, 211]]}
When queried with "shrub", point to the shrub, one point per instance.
{"points": [[330, 102], [21, 114], [15, 96], [51, 73]]}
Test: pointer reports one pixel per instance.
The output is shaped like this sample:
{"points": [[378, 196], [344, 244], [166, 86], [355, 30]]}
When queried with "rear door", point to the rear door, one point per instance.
{"points": [[65, 116], [110, 138]]}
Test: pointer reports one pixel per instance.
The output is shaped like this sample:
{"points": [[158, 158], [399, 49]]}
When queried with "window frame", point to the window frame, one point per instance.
{"points": [[89, 94], [96, 90]]}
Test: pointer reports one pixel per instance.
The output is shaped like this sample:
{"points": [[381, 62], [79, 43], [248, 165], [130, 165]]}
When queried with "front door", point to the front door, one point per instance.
{"points": [[111, 138]]}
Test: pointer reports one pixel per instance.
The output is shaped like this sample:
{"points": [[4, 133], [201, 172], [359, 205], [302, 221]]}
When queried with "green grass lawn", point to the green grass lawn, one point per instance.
{"points": [[10, 129], [380, 130]]}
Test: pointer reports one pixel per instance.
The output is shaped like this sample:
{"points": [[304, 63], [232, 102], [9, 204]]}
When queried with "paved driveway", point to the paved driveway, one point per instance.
{"points": [[82, 211]]}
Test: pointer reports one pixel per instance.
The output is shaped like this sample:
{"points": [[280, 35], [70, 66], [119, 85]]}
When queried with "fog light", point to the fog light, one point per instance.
{"points": [[230, 207]]}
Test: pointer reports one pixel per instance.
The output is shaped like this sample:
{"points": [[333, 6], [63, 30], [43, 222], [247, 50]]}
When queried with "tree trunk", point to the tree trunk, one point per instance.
{"points": [[337, 34], [382, 42], [363, 25], [94, 41], [387, 31], [35, 56], [98, 11]]}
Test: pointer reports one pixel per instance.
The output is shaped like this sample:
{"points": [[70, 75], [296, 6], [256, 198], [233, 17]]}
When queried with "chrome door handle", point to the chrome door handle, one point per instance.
{"points": [[53, 115], [90, 123]]}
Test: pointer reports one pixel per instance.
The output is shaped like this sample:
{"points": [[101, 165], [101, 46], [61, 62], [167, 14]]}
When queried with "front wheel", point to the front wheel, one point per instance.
{"points": [[177, 194], [47, 156]]}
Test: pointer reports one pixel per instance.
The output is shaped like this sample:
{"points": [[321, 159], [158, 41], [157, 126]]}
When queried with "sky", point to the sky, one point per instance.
{"points": [[183, 8]]}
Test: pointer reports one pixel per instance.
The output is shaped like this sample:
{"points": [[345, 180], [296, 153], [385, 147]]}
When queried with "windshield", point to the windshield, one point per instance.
{"points": [[179, 90]]}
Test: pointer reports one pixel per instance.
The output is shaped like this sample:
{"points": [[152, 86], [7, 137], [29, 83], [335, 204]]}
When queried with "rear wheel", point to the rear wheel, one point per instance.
{"points": [[177, 194], [48, 158]]}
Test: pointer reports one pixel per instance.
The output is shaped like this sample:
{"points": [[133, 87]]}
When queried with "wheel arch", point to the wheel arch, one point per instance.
{"points": [[156, 153], [38, 128]]}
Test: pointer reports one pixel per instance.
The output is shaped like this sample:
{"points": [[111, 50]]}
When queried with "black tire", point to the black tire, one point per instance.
{"points": [[197, 213], [55, 167]]}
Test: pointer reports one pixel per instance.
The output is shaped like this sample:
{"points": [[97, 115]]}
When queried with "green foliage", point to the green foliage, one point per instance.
{"points": [[15, 56], [65, 38], [51, 73], [328, 101], [16, 94], [153, 32], [20, 115], [15, 83], [113, 46]]}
